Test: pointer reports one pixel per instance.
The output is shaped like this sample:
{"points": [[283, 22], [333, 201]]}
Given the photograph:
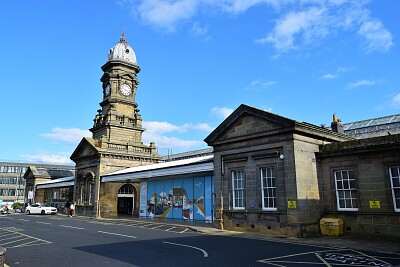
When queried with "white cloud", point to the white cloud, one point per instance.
{"points": [[362, 83], [377, 37], [329, 76], [67, 135], [46, 158], [318, 20], [163, 127], [202, 127], [299, 23], [311, 23], [198, 30], [163, 141], [266, 108], [344, 69], [260, 85], [395, 103], [164, 135], [166, 14], [166, 127], [221, 112]]}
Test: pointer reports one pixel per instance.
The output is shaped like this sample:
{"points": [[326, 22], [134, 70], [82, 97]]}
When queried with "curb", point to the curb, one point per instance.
{"points": [[3, 251]]}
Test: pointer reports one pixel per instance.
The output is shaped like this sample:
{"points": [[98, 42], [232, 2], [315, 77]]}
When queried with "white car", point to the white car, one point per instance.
{"points": [[40, 208]]}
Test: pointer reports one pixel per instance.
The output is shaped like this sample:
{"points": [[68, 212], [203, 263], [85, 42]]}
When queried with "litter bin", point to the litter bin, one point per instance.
{"points": [[331, 226]]}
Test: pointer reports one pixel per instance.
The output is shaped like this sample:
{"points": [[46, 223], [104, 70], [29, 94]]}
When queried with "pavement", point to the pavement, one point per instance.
{"points": [[382, 244]]}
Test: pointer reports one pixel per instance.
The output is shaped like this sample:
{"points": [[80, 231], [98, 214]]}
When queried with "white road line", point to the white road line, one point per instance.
{"points": [[24, 220], [170, 229], [181, 232], [117, 234], [74, 227], [322, 259], [22, 239], [43, 222], [157, 226], [176, 244]]}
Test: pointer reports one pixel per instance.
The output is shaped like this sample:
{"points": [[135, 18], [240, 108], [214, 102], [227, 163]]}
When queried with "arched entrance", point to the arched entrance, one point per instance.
{"points": [[126, 198]]}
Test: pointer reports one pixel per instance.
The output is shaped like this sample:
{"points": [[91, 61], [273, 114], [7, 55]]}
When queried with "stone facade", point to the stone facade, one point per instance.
{"points": [[43, 173], [370, 159], [252, 140]]}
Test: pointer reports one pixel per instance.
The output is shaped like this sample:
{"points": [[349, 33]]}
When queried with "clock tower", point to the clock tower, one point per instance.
{"points": [[117, 138], [119, 122]]}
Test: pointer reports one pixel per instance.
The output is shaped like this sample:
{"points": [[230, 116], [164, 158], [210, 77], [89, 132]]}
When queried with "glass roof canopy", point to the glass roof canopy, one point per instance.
{"points": [[371, 122]]}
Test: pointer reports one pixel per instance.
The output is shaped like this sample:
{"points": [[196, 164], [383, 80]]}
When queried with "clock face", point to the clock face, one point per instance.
{"points": [[125, 89], [107, 90]]}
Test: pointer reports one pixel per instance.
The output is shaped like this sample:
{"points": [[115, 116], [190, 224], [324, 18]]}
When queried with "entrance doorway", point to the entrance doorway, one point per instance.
{"points": [[126, 198]]}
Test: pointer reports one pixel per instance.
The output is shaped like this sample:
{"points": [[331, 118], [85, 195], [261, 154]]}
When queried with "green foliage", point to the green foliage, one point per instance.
{"points": [[17, 205]]}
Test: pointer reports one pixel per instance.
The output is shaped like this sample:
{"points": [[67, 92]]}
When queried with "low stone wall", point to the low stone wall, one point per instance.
{"points": [[2, 256]]}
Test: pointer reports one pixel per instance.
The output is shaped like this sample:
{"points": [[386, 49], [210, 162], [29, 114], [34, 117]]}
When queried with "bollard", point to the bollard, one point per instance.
{"points": [[2, 256]]}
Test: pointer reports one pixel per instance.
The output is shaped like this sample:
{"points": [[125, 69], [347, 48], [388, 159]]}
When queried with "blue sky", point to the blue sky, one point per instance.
{"points": [[200, 59]]}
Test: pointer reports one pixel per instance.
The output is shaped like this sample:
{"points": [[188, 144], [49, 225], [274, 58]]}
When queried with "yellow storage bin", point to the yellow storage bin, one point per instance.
{"points": [[331, 226]]}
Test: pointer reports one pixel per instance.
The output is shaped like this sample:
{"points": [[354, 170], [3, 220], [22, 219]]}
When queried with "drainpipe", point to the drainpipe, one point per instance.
{"points": [[222, 212], [98, 215]]}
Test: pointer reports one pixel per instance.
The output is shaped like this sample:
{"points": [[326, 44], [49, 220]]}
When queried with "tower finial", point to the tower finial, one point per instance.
{"points": [[122, 39]]}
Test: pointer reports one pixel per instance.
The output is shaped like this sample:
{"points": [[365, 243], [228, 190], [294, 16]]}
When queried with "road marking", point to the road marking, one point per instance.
{"points": [[181, 232], [3, 244], [7, 217], [43, 222], [18, 238], [161, 225], [117, 234], [322, 259], [74, 227], [24, 220], [176, 244], [170, 229], [329, 258]]}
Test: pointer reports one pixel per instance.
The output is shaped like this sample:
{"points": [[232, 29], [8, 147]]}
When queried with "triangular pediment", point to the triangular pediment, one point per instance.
{"points": [[246, 121], [85, 148]]}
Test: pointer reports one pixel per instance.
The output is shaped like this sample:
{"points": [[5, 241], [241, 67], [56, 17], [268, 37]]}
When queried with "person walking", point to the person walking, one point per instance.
{"points": [[71, 209], [68, 207]]}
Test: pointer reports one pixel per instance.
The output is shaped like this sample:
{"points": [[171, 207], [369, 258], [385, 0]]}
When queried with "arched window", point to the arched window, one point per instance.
{"points": [[126, 189], [85, 189]]}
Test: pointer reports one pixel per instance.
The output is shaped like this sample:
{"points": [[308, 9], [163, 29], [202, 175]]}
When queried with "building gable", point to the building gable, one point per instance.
{"points": [[247, 121], [85, 148]]}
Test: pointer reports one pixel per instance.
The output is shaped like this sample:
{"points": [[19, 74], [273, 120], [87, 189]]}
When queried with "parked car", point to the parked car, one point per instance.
{"points": [[18, 209], [40, 208]]}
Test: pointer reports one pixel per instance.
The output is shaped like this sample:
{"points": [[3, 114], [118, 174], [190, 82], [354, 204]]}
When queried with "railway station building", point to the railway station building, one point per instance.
{"points": [[262, 173]]}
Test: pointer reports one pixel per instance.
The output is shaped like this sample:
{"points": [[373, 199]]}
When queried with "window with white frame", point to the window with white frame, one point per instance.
{"points": [[268, 188], [346, 192], [238, 183], [394, 173], [90, 193]]}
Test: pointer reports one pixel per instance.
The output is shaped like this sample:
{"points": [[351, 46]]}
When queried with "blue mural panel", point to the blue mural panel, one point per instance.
{"points": [[160, 194], [151, 198], [198, 199], [187, 207], [208, 198], [185, 199], [177, 192], [168, 185]]}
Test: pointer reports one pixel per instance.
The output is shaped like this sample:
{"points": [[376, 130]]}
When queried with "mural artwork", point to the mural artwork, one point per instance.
{"points": [[187, 199]]}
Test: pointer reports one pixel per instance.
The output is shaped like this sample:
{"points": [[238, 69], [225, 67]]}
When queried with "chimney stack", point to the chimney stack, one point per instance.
{"points": [[337, 125]]}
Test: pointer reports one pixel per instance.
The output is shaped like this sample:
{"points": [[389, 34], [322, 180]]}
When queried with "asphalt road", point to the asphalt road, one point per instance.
{"points": [[38, 240]]}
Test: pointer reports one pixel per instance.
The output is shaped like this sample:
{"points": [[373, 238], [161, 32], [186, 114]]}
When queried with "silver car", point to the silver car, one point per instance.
{"points": [[40, 208]]}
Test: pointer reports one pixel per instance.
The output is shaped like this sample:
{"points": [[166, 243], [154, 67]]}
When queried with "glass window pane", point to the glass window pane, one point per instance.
{"points": [[394, 171]]}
